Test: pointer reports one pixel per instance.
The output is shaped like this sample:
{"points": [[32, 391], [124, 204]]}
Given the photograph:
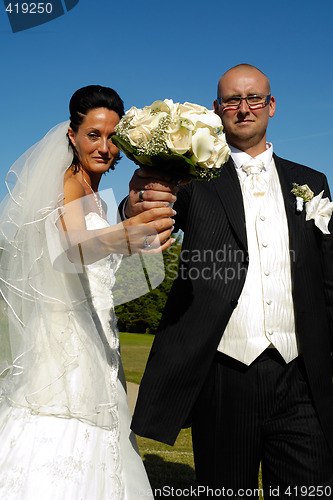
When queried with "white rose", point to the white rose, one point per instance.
{"points": [[178, 139], [133, 111], [151, 121], [202, 145], [139, 136], [142, 116], [138, 116]]}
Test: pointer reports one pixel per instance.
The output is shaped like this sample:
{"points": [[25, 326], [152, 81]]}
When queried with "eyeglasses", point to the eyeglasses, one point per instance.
{"points": [[253, 101]]}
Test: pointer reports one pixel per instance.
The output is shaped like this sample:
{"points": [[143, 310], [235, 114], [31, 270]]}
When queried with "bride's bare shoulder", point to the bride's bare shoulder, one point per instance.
{"points": [[73, 189]]}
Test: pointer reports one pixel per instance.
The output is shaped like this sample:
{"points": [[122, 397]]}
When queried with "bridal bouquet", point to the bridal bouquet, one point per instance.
{"points": [[186, 140]]}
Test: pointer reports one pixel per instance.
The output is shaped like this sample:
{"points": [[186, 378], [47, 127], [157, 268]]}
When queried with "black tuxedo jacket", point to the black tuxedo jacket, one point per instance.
{"points": [[211, 276]]}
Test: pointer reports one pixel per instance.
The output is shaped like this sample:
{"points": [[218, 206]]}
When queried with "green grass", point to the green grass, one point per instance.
{"points": [[135, 349], [171, 466]]}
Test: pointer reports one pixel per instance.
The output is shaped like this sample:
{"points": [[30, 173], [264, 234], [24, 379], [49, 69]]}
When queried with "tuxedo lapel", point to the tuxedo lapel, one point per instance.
{"points": [[229, 191], [289, 174]]}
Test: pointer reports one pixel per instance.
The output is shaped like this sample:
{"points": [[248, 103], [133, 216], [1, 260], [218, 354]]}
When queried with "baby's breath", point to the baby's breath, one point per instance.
{"points": [[157, 144], [207, 174], [124, 126]]}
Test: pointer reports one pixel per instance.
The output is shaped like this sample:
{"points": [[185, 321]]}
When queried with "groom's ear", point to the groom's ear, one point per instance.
{"points": [[71, 136]]}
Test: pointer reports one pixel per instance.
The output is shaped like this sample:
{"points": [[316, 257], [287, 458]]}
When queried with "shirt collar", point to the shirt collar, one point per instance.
{"points": [[241, 158]]}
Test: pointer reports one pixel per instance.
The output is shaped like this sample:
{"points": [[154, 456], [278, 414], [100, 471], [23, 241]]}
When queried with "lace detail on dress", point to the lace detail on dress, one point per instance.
{"points": [[67, 474]]}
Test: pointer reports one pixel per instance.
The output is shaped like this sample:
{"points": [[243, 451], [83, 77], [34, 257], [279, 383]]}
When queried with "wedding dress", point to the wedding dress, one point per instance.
{"points": [[64, 418]]}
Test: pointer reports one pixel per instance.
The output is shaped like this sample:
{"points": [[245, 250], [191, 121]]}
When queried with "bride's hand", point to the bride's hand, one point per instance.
{"points": [[150, 231]]}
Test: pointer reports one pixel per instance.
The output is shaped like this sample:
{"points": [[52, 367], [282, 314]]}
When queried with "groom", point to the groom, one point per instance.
{"points": [[244, 349]]}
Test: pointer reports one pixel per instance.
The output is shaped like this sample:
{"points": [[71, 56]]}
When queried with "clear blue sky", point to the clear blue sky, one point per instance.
{"points": [[150, 49]]}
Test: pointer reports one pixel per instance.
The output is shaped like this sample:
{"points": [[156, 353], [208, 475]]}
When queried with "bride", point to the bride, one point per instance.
{"points": [[64, 420]]}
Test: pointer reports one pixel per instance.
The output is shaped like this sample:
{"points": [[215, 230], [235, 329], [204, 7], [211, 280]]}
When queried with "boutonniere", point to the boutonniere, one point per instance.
{"points": [[303, 194], [317, 208]]}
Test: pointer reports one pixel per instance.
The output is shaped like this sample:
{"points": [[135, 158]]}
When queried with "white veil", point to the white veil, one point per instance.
{"points": [[57, 360]]}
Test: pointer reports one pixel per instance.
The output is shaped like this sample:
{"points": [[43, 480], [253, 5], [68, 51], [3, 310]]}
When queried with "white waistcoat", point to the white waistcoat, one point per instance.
{"points": [[264, 316]]}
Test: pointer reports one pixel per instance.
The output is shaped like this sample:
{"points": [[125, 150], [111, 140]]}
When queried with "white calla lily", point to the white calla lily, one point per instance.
{"points": [[202, 144], [164, 106], [209, 120], [171, 105], [187, 123]]}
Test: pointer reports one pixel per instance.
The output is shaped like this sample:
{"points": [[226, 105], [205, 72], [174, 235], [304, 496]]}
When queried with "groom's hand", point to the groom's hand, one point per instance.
{"points": [[149, 188]]}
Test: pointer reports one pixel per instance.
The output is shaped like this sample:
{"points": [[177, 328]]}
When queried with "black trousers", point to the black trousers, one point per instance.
{"points": [[261, 413]]}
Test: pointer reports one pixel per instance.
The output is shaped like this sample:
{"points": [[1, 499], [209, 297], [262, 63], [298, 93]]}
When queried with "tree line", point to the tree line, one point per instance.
{"points": [[143, 314]]}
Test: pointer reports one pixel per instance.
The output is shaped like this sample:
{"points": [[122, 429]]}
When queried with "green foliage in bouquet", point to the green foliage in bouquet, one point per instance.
{"points": [[177, 166]]}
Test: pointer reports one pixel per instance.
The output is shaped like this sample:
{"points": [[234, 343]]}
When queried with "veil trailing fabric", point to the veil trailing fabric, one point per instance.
{"points": [[58, 360]]}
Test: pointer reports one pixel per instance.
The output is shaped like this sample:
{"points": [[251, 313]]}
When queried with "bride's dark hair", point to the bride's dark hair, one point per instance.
{"points": [[86, 99]]}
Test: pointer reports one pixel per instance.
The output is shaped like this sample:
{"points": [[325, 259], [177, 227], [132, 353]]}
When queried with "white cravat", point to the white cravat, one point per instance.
{"points": [[255, 181], [240, 158]]}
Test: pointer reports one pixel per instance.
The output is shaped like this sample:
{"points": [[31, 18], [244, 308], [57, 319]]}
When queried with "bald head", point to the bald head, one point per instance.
{"points": [[245, 70]]}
